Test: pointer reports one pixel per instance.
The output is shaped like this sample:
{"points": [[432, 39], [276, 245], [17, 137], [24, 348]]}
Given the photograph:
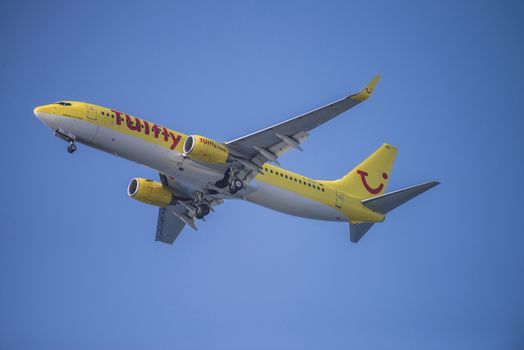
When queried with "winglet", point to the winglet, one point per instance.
{"points": [[366, 92]]}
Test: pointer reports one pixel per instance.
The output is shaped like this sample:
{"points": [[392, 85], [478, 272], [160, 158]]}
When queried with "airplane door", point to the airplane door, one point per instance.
{"points": [[91, 112], [339, 201]]}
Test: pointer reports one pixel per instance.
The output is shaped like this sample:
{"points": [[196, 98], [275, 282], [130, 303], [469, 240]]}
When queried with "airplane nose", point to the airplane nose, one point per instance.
{"points": [[38, 111], [44, 114]]}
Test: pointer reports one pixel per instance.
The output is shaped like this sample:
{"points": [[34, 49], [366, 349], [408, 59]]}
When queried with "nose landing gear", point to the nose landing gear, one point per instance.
{"points": [[68, 137], [72, 147]]}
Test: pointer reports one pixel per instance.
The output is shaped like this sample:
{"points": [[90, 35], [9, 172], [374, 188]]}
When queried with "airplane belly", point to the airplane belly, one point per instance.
{"points": [[132, 148], [84, 132], [291, 203], [185, 171]]}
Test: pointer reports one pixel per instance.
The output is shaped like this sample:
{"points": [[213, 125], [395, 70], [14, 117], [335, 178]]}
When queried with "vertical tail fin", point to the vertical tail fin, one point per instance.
{"points": [[369, 178]]}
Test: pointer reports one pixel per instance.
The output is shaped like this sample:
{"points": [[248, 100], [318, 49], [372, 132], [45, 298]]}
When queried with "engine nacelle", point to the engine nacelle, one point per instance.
{"points": [[150, 192], [205, 150]]}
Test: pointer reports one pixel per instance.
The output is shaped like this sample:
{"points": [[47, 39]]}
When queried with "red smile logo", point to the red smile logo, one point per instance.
{"points": [[370, 189]]}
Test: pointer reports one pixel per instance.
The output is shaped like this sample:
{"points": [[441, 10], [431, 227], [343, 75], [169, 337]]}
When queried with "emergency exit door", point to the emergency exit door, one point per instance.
{"points": [[339, 201], [91, 112]]}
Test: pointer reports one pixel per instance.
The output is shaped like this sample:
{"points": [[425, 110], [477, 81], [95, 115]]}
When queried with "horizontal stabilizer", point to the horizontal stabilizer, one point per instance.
{"points": [[390, 201], [356, 231]]}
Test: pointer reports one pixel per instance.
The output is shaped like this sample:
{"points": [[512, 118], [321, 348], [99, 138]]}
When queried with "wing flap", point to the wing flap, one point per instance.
{"points": [[168, 225]]}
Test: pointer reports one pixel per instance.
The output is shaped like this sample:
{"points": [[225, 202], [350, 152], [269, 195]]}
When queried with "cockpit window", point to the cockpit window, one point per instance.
{"points": [[63, 103]]}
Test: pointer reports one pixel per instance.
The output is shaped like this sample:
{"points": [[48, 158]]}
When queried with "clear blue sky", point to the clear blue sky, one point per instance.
{"points": [[79, 268]]}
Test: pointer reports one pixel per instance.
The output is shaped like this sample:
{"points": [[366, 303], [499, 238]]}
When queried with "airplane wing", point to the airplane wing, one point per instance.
{"points": [[168, 225], [252, 151], [268, 144], [173, 218]]}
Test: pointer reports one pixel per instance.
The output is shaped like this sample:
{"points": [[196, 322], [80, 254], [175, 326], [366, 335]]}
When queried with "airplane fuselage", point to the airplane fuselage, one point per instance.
{"points": [[161, 148]]}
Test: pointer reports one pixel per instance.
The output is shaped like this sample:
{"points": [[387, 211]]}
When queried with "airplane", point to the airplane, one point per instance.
{"points": [[198, 173]]}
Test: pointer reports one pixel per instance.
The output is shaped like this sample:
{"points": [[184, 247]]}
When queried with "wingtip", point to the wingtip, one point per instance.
{"points": [[389, 146], [431, 184], [367, 90]]}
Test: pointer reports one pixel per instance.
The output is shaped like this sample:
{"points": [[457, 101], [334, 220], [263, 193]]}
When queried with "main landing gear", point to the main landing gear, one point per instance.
{"points": [[235, 185], [230, 180], [202, 210]]}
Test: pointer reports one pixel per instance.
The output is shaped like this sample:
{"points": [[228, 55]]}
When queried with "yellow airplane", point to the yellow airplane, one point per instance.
{"points": [[198, 173]]}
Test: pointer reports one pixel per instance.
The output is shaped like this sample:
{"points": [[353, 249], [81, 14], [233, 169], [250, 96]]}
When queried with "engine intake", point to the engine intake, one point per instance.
{"points": [[149, 192], [205, 150]]}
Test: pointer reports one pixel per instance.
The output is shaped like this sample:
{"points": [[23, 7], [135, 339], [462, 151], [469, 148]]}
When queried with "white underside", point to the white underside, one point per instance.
{"points": [[189, 175], [291, 203]]}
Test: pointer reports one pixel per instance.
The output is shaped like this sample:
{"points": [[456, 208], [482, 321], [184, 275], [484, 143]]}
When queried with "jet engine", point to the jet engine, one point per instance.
{"points": [[150, 192], [205, 150]]}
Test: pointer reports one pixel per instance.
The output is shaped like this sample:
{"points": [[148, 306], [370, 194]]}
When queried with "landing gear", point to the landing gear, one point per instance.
{"points": [[72, 147], [235, 186], [68, 137], [202, 210], [231, 180]]}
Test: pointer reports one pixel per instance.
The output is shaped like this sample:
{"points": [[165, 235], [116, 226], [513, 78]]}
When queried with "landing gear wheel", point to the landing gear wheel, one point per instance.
{"points": [[202, 210], [235, 186], [238, 184], [71, 148]]}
